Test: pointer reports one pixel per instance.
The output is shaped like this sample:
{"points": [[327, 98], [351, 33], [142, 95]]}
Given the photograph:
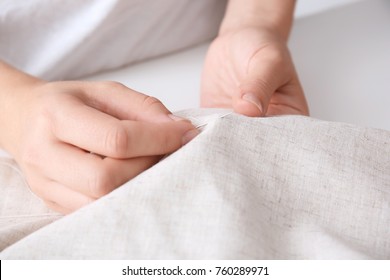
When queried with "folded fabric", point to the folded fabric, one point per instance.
{"points": [[287, 187], [21, 212]]}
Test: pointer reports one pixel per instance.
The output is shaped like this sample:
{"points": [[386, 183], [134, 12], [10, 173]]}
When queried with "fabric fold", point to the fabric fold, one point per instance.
{"points": [[288, 187]]}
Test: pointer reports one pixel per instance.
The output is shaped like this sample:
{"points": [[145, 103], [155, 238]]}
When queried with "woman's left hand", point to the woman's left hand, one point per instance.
{"points": [[251, 71]]}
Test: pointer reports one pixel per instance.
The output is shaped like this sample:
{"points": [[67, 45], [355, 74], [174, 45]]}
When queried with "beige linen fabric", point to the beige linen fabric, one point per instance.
{"points": [[21, 213], [246, 188]]}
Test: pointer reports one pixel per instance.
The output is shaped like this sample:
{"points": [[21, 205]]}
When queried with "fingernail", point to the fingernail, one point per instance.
{"points": [[250, 97], [189, 135], [177, 118]]}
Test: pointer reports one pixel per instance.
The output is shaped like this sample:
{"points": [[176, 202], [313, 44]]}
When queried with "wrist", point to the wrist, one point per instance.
{"points": [[275, 16], [15, 88], [279, 31]]}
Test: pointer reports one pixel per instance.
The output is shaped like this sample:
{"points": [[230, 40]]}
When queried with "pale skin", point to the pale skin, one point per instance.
{"points": [[76, 141], [248, 66]]}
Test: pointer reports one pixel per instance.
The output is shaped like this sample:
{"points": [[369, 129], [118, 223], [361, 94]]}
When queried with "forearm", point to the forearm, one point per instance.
{"points": [[276, 15]]}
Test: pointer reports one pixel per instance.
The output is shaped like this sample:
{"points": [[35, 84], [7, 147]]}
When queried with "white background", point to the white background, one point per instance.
{"points": [[284, 269], [308, 7]]}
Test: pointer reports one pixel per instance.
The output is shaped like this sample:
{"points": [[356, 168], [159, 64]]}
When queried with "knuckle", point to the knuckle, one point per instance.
{"points": [[261, 85], [150, 101], [117, 141], [99, 182], [112, 85], [274, 57], [264, 85]]}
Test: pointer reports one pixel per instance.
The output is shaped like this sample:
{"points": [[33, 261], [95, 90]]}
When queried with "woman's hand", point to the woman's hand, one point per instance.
{"points": [[251, 71], [77, 141]]}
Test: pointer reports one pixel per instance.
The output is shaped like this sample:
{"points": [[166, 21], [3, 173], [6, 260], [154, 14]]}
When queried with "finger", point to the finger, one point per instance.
{"points": [[124, 103], [289, 100], [94, 131], [64, 196], [89, 174], [264, 77], [54, 206]]}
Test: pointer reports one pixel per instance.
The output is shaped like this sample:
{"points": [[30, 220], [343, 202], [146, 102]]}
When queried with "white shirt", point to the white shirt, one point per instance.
{"points": [[68, 39]]}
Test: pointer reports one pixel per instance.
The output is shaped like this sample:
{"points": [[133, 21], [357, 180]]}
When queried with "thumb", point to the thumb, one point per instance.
{"points": [[256, 89]]}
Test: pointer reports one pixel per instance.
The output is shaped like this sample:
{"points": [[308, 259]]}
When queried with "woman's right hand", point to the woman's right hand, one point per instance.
{"points": [[77, 141]]}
